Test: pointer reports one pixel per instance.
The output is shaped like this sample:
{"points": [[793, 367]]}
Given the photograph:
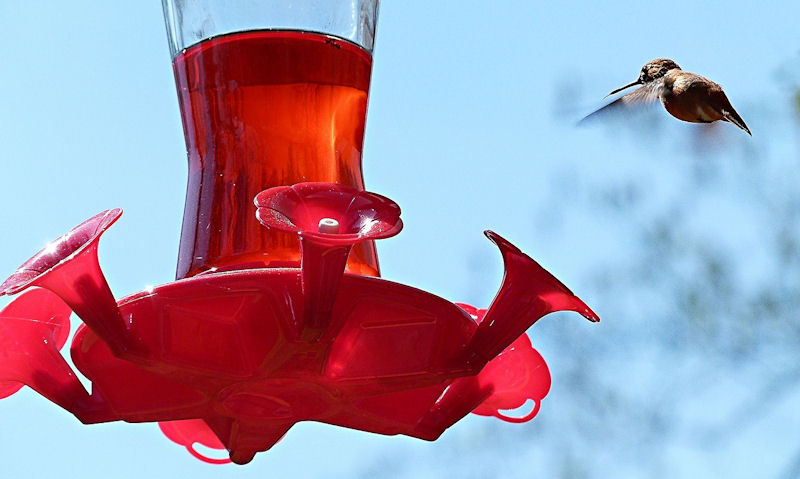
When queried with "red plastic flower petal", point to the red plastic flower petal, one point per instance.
{"points": [[59, 251], [300, 208]]}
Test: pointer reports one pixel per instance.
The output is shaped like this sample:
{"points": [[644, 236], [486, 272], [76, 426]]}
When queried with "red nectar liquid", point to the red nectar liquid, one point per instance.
{"points": [[263, 109]]}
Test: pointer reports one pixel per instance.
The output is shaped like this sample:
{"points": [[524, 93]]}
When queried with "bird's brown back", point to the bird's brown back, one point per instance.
{"points": [[693, 98]]}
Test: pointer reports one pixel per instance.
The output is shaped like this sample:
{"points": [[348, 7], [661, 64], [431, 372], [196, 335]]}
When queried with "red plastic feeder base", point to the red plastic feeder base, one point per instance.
{"points": [[234, 359]]}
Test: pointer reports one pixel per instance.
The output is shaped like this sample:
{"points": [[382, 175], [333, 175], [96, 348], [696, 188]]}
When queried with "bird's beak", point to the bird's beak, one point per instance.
{"points": [[637, 82]]}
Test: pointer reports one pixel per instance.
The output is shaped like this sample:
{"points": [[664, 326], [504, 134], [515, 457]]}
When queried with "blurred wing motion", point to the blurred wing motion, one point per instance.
{"points": [[642, 96]]}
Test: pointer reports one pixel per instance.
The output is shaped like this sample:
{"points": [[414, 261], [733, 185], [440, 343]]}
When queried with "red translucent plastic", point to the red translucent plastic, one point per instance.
{"points": [[299, 208], [69, 268], [230, 349], [263, 109], [517, 375], [79, 242], [189, 433], [303, 209], [32, 330]]}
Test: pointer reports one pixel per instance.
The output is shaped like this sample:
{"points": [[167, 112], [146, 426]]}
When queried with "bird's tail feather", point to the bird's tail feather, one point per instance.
{"points": [[733, 117]]}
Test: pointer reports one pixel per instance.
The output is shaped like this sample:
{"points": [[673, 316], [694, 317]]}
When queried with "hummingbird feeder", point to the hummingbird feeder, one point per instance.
{"points": [[278, 314]]}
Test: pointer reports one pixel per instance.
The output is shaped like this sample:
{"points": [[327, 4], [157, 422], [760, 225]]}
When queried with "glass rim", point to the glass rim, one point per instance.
{"points": [[289, 30], [362, 36]]}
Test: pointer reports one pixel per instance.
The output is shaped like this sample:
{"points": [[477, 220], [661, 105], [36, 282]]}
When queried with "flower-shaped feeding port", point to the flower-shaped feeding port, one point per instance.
{"points": [[528, 289], [238, 357], [33, 328], [69, 268], [329, 219]]}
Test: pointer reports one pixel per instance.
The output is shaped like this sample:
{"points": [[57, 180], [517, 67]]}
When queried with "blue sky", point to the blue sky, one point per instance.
{"points": [[471, 125]]}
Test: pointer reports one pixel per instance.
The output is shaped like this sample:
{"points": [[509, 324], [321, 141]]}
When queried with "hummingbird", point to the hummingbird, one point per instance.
{"points": [[686, 96]]}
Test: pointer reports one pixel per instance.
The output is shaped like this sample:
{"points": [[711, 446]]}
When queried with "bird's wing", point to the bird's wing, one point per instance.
{"points": [[644, 95]]}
